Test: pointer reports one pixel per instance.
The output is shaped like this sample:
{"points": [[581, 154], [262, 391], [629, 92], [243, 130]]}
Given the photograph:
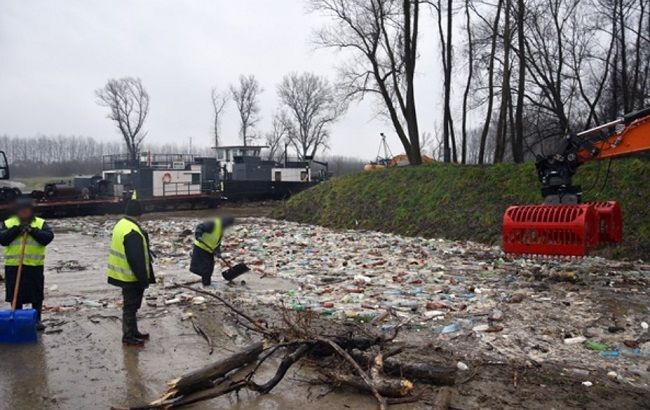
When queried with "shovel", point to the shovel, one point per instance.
{"points": [[18, 326], [233, 271]]}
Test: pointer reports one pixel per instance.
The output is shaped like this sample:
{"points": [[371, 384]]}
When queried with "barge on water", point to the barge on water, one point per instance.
{"points": [[244, 175], [161, 182]]}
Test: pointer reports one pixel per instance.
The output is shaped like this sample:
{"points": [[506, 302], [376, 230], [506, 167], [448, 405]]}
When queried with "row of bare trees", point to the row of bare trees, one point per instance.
{"points": [[517, 74], [46, 149], [52, 149], [308, 105]]}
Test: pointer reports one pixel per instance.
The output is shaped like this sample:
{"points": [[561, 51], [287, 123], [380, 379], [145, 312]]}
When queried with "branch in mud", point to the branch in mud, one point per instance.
{"points": [[199, 330], [286, 363]]}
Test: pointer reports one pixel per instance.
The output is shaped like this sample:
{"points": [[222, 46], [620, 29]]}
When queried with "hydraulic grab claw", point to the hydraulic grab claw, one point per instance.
{"points": [[562, 230], [563, 226]]}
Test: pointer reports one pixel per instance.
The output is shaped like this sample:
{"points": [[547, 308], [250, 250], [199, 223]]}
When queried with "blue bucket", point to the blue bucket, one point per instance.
{"points": [[18, 326]]}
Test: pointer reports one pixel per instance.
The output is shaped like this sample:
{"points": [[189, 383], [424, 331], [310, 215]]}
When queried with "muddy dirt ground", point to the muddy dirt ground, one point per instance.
{"points": [[512, 319]]}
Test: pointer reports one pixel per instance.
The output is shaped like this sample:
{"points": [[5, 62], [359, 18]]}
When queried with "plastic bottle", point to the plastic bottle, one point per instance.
{"points": [[610, 354], [451, 328]]}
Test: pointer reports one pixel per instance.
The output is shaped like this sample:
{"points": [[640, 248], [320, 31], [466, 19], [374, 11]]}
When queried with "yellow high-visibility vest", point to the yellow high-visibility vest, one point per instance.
{"points": [[34, 251], [210, 241], [118, 266]]}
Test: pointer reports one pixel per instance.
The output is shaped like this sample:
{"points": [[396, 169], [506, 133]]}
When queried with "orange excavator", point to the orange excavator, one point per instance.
{"points": [[563, 225]]}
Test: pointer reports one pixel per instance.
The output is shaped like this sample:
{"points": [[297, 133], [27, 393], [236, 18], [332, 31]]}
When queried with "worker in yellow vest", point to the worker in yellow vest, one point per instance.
{"points": [[39, 235], [130, 268], [207, 245]]}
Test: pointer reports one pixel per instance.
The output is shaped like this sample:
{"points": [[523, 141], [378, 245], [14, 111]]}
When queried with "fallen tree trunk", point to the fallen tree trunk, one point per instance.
{"points": [[198, 396], [204, 378], [438, 375]]}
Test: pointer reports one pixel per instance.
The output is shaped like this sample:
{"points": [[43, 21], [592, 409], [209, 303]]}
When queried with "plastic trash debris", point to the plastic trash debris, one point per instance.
{"points": [[599, 347], [574, 340], [462, 366], [198, 300], [408, 303], [610, 354], [587, 384], [298, 307], [92, 303], [612, 374], [579, 372], [436, 306], [496, 315], [450, 328], [429, 314]]}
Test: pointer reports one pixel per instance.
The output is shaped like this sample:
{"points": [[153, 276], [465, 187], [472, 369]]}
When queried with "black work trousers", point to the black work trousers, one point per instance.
{"points": [[132, 300]]}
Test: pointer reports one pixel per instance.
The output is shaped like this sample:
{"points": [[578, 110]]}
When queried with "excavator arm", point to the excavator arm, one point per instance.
{"points": [[627, 135], [563, 225], [633, 138]]}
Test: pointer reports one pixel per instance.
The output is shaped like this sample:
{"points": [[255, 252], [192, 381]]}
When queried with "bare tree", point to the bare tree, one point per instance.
{"points": [[245, 95], [128, 103], [381, 37], [468, 84], [219, 101], [518, 140], [490, 74], [506, 97], [446, 49], [278, 135], [311, 107]]}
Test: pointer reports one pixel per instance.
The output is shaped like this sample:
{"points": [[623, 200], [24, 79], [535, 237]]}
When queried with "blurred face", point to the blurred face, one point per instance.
{"points": [[25, 214]]}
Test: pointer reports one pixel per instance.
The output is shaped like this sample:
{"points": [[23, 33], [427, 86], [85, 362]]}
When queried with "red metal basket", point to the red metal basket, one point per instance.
{"points": [[569, 230]]}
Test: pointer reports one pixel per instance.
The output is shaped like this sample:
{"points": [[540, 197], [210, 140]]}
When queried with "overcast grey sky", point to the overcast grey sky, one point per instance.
{"points": [[55, 53]]}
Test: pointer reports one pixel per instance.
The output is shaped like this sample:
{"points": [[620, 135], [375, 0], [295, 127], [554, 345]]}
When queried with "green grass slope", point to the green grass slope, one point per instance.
{"points": [[466, 202]]}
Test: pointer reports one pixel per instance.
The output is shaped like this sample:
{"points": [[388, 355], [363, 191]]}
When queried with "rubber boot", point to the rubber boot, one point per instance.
{"points": [[129, 337], [139, 334]]}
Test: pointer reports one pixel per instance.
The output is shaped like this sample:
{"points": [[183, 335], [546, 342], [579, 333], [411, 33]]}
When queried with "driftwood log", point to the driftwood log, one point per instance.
{"points": [[205, 377], [437, 375], [385, 387]]}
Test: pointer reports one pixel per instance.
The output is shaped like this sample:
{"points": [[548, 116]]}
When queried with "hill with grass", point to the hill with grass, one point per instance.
{"points": [[467, 202]]}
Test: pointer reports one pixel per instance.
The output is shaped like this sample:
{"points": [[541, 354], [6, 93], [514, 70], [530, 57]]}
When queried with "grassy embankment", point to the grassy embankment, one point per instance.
{"points": [[466, 202]]}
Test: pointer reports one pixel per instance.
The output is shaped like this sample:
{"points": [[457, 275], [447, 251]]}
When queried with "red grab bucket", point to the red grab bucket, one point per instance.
{"points": [[564, 230]]}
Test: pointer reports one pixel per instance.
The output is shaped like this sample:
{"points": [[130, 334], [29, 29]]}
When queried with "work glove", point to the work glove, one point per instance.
{"points": [[217, 252], [25, 228]]}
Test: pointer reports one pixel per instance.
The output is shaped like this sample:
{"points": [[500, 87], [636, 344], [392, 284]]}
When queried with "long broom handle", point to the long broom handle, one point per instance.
{"points": [[14, 301]]}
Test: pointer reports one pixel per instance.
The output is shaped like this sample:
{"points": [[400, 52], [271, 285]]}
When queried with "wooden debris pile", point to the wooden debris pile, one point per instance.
{"points": [[351, 355]]}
